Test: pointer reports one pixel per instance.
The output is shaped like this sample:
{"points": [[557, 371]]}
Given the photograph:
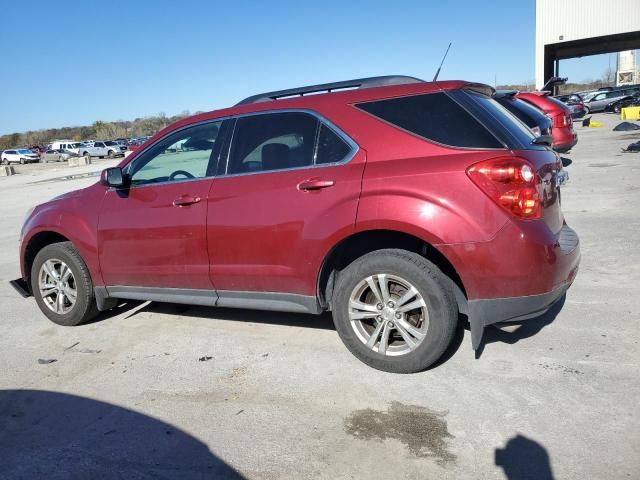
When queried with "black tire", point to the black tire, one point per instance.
{"points": [[22, 161], [5, 161], [85, 307], [432, 285], [110, 154]]}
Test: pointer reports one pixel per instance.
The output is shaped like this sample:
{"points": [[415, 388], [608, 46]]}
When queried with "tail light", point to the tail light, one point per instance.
{"points": [[562, 120], [510, 182]]}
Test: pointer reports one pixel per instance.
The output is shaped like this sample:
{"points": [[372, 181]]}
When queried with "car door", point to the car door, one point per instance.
{"points": [[290, 188], [153, 233]]}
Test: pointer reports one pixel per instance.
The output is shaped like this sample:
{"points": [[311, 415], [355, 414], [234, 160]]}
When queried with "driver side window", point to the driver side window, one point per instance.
{"points": [[181, 156]]}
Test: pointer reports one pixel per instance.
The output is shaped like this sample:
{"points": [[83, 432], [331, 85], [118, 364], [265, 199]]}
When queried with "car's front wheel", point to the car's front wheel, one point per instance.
{"points": [[395, 311], [62, 286]]}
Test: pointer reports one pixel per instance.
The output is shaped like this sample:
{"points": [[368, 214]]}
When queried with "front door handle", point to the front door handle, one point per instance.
{"points": [[315, 184], [185, 200]]}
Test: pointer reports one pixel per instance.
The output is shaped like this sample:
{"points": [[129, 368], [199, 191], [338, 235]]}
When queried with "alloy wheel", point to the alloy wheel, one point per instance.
{"points": [[57, 286], [388, 314]]}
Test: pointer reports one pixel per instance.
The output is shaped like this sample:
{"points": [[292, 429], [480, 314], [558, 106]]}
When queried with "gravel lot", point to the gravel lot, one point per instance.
{"points": [[170, 391]]}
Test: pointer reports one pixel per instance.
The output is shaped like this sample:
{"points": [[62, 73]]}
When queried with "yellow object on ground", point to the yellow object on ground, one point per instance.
{"points": [[595, 124], [630, 113]]}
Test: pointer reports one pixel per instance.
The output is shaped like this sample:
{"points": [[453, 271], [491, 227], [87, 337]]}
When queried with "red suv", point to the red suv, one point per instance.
{"points": [[396, 204], [562, 132]]}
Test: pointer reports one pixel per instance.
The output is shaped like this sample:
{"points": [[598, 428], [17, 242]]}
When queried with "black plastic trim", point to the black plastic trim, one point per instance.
{"points": [[276, 301], [495, 310], [368, 82], [21, 286]]}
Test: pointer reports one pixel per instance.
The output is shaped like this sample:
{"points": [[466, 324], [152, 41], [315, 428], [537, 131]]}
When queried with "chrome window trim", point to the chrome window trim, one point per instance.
{"points": [[354, 147]]}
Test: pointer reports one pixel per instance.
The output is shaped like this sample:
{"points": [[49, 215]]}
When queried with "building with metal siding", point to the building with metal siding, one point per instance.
{"points": [[577, 28]]}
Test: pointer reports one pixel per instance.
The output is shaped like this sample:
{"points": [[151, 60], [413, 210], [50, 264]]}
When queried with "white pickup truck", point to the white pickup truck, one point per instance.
{"points": [[100, 149]]}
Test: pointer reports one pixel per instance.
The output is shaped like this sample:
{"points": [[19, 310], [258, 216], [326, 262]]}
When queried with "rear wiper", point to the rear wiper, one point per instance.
{"points": [[542, 140]]}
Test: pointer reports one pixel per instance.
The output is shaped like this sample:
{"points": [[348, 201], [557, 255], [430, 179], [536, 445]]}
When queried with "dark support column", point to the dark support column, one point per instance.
{"points": [[549, 58]]}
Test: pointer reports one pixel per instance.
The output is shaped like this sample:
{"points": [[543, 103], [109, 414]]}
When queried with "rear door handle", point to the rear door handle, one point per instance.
{"points": [[315, 184], [185, 200]]}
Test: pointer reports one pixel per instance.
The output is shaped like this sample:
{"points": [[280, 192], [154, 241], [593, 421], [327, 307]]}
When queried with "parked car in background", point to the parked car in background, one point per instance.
{"points": [[458, 211], [68, 145], [531, 116], [600, 101], [21, 155], [575, 104], [562, 132], [617, 105], [56, 156], [100, 149], [119, 145]]}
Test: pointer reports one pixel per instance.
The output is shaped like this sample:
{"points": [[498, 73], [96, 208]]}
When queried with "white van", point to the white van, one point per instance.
{"points": [[68, 145]]}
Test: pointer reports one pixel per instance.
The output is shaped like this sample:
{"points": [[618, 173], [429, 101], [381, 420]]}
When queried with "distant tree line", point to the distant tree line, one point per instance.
{"points": [[100, 130], [607, 80]]}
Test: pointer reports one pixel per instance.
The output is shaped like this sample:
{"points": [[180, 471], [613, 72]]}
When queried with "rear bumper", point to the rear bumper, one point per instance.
{"points": [[565, 143], [497, 310], [518, 275]]}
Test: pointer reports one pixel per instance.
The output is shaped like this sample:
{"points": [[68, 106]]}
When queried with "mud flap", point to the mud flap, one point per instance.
{"points": [[477, 329]]}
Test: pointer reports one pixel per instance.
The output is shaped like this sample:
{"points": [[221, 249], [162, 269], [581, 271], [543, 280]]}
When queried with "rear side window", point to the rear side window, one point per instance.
{"points": [[528, 114], [512, 133], [435, 117], [331, 148]]}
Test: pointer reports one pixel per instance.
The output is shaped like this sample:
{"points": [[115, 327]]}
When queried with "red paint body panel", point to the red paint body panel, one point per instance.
{"points": [[265, 234], [74, 216], [145, 240]]}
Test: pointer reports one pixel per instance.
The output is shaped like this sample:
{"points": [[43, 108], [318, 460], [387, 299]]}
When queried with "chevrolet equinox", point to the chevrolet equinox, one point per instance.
{"points": [[394, 203]]}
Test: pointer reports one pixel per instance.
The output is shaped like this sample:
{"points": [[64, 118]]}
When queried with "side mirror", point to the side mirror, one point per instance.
{"points": [[112, 177]]}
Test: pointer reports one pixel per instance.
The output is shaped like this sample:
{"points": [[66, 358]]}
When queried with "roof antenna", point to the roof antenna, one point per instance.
{"points": [[435, 77]]}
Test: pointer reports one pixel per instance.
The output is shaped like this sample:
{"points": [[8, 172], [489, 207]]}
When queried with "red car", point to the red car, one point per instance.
{"points": [[394, 203], [562, 132]]}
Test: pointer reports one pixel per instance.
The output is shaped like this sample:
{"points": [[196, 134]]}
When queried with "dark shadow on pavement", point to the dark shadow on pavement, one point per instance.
{"points": [[524, 459], [122, 307], [526, 328], [58, 436], [323, 321]]}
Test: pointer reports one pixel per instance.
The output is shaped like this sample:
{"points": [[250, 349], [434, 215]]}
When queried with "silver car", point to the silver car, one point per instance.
{"points": [[56, 156], [598, 102]]}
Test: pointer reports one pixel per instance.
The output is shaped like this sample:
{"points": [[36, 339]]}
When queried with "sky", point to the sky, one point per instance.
{"points": [[70, 63]]}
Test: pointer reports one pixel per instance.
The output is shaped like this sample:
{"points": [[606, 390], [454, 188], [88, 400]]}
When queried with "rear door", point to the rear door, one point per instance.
{"points": [[291, 186]]}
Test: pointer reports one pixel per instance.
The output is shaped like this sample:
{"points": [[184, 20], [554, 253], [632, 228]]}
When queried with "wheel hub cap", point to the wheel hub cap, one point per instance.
{"points": [[57, 286], [388, 314]]}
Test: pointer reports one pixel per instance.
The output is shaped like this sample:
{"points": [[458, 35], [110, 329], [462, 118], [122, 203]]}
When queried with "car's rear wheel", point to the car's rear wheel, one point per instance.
{"points": [[395, 311], [22, 161], [5, 161], [111, 154], [62, 286]]}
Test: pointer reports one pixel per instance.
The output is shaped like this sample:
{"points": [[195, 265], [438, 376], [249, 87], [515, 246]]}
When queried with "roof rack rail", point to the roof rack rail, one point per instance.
{"points": [[368, 82]]}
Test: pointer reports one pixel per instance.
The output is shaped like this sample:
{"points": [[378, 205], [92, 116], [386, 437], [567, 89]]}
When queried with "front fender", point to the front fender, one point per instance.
{"points": [[73, 217]]}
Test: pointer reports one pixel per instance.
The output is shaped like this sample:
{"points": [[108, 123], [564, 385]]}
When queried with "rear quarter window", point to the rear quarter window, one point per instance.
{"points": [[435, 117]]}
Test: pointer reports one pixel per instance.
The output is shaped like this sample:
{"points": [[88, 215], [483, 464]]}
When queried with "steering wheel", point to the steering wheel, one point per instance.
{"points": [[180, 172]]}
